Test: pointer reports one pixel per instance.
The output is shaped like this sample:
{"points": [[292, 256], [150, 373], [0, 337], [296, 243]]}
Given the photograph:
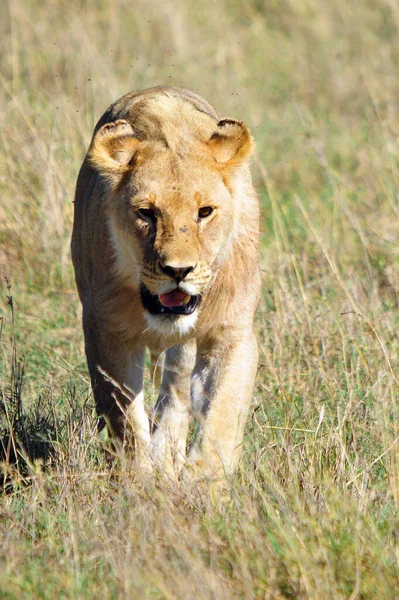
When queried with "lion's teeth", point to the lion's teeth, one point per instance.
{"points": [[186, 299]]}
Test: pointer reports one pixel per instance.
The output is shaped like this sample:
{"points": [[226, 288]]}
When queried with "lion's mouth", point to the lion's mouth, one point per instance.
{"points": [[176, 302]]}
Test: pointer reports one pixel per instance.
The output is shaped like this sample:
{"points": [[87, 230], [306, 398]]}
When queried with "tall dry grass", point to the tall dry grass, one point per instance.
{"points": [[314, 508]]}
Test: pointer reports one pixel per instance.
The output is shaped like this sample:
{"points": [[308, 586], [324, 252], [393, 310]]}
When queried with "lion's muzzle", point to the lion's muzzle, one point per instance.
{"points": [[175, 302]]}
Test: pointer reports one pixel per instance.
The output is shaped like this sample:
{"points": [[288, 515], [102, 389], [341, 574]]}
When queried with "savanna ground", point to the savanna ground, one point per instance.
{"points": [[314, 508]]}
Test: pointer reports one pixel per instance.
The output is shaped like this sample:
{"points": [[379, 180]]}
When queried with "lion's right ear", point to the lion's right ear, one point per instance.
{"points": [[231, 143], [113, 147]]}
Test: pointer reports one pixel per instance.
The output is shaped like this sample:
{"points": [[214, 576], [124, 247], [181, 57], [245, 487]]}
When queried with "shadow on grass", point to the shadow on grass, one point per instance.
{"points": [[34, 434]]}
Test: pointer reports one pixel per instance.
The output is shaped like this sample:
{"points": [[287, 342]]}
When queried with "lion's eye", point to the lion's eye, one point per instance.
{"points": [[146, 214], [205, 211]]}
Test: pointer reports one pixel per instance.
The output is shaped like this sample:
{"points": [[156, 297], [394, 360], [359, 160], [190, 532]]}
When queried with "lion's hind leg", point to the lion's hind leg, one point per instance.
{"points": [[173, 409], [156, 370]]}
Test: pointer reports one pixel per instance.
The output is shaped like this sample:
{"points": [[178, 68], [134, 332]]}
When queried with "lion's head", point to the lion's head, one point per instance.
{"points": [[170, 172]]}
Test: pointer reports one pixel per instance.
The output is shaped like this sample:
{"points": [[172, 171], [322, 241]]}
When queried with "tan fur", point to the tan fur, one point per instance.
{"points": [[166, 150]]}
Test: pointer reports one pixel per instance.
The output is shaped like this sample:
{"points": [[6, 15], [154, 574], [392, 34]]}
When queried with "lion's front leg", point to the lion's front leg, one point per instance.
{"points": [[116, 372], [223, 382], [172, 410]]}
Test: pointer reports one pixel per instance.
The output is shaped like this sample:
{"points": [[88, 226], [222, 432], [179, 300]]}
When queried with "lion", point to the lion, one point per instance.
{"points": [[165, 251]]}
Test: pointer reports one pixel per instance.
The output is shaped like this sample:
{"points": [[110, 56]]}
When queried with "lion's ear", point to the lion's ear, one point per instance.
{"points": [[231, 143], [113, 147]]}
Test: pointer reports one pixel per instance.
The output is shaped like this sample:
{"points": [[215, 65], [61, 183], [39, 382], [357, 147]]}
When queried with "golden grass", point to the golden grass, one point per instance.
{"points": [[314, 509]]}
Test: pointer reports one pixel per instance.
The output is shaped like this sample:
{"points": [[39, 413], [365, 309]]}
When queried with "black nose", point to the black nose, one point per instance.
{"points": [[178, 274]]}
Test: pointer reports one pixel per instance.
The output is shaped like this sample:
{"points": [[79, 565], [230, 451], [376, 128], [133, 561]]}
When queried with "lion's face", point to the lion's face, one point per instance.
{"points": [[176, 226], [170, 217]]}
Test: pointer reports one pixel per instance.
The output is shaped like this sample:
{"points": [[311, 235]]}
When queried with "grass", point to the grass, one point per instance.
{"points": [[314, 507]]}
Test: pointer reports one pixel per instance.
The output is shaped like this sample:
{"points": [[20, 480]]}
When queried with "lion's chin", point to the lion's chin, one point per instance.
{"points": [[176, 320], [171, 325]]}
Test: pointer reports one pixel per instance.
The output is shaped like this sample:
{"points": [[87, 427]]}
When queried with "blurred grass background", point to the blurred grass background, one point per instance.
{"points": [[314, 508]]}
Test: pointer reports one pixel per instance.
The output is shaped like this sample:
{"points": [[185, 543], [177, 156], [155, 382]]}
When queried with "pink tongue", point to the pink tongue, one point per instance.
{"points": [[174, 298]]}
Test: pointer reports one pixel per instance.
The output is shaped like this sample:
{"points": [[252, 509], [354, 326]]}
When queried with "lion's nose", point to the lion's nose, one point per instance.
{"points": [[176, 273]]}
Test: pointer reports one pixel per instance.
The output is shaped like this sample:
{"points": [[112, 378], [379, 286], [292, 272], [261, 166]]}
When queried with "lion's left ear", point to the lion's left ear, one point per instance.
{"points": [[112, 148], [231, 144]]}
